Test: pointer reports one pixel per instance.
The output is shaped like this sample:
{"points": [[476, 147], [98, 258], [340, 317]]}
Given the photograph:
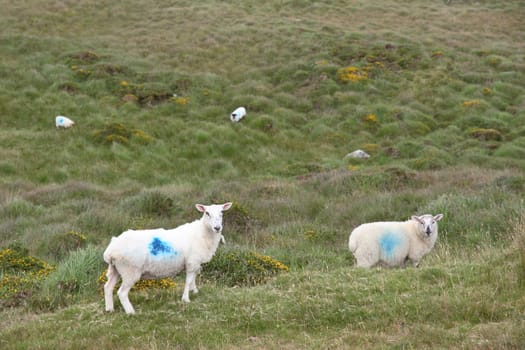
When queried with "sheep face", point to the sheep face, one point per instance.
{"points": [[427, 224], [213, 215]]}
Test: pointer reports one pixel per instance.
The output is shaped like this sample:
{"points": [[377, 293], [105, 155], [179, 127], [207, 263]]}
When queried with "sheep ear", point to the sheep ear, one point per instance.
{"points": [[438, 217], [226, 206], [415, 218], [200, 208]]}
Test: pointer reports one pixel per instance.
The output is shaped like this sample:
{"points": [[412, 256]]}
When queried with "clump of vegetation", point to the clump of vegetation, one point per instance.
{"points": [[239, 219], [485, 134], [351, 74], [241, 268], [59, 245], [471, 103], [156, 203], [371, 121], [143, 284], [20, 274], [179, 100], [84, 57], [130, 98], [149, 94], [519, 246], [70, 88], [72, 280], [150, 205], [107, 69], [370, 148], [119, 133], [16, 258], [81, 72]]}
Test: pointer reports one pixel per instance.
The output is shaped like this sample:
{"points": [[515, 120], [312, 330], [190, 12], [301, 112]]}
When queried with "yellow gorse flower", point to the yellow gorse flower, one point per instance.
{"points": [[351, 74], [471, 103], [20, 272], [143, 284], [181, 101], [371, 118]]}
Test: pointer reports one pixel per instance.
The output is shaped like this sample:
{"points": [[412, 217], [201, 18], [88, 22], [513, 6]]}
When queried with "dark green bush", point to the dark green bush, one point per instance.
{"points": [[60, 244], [238, 219], [20, 275], [241, 268], [119, 133], [156, 203]]}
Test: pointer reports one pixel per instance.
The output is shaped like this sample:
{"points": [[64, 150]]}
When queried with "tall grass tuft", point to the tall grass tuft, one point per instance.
{"points": [[74, 280], [518, 238]]}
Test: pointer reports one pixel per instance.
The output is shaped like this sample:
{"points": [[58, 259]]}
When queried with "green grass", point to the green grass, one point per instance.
{"points": [[439, 104]]}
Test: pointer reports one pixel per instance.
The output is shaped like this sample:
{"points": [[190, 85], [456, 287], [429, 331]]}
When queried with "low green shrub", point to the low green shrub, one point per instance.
{"points": [[156, 203], [16, 258], [485, 134], [239, 219], [60, 244], [119, 133], [20, 275], [241, 268], [144, 284], [511, 151]]}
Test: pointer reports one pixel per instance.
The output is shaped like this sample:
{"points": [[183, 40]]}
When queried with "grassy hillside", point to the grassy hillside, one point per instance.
{"points": [[435, 93]]}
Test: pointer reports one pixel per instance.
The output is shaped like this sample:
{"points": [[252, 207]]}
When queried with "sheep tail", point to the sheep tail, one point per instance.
{"points": [[108, 257]]}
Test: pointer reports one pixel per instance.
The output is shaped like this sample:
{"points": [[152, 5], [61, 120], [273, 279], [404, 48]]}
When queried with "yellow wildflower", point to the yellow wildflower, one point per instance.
{"points": [[471, 103], [371, 118], [351, 74]]}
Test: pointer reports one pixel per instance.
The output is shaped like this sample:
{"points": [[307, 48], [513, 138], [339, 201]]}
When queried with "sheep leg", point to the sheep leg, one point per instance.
{"points": [[112, 276], [193, 286], [190, 282], [128, 280]]}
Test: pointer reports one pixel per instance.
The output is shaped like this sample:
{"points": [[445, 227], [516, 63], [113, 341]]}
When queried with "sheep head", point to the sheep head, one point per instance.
{"points": [[427, 224], [212, 216]]}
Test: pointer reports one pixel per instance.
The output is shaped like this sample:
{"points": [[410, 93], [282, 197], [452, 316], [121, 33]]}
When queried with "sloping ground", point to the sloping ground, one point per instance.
{"points": [[434, 93]]}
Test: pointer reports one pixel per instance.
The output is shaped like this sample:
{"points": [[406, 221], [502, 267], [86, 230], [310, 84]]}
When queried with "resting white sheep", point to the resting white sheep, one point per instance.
{"points": [[238, 114], [63, 122], [161, 253], [394, 243]]}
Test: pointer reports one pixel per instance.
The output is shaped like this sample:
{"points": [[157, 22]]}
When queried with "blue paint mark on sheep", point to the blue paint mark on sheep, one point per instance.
{"points": [[159, 247], [388, 243]]}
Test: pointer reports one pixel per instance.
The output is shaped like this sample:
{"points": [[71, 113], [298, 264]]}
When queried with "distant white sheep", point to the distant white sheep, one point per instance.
{"points": [[63, 122], [238, 114], [394, 243], [160, 253], [358, 154]]}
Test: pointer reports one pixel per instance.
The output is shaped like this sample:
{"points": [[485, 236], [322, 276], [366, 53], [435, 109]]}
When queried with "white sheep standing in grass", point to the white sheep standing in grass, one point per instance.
{"points": [[393, 243], [160, 253]]}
